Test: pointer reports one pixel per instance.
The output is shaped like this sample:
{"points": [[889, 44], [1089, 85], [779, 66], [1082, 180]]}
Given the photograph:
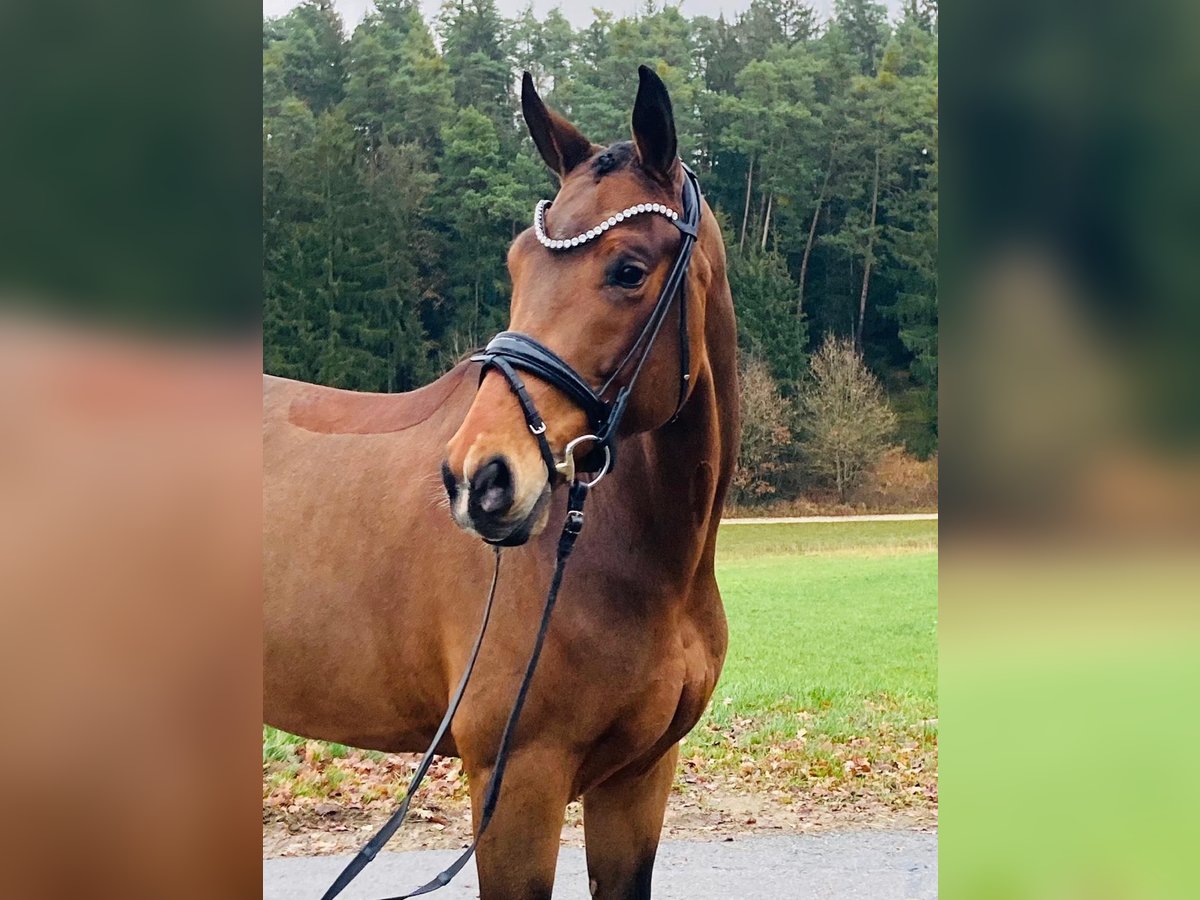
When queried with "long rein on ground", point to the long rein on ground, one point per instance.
{"points": [[508, 352]]}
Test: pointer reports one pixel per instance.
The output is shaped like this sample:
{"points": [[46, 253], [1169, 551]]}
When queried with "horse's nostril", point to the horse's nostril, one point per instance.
{"points": [[449, 481], [491, 487]]}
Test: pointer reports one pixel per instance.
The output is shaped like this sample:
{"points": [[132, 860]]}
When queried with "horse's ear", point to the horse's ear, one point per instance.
{"points": [[654, 127], [561, 144]]}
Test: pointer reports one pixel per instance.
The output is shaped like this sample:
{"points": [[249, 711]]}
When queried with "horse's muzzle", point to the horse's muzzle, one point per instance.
{"points": [[488, 505]]}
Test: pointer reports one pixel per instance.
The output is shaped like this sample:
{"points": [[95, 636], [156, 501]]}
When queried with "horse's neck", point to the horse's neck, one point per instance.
{"points": [[708, 433], [675, 486]]}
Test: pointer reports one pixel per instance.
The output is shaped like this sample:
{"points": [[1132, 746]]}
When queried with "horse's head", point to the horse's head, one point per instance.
{"points": [[588, 284]]}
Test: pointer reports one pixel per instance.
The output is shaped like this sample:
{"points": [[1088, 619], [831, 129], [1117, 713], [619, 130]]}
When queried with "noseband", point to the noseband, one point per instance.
{"points": [[511, 351]]}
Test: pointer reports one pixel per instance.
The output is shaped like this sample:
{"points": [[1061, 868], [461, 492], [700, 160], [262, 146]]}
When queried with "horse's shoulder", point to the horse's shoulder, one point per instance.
{"points": [[334, 411]]}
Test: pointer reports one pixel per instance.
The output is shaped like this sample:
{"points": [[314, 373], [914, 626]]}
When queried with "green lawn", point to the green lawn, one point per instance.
{"points": [[830, 683], [832, 650]]}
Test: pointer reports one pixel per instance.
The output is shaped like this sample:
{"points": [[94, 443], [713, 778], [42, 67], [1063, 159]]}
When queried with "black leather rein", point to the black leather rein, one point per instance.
{"points": [[510, 351]]}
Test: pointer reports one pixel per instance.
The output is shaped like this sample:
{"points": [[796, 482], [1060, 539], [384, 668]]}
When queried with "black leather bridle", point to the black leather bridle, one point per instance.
{"points": [[510, 351]]}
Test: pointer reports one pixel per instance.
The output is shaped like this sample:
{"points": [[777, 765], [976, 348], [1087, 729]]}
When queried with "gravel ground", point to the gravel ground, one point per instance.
{"points": [[868, 865]]}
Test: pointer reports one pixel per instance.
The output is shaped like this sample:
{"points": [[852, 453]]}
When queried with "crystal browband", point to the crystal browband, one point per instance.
{"points": [[539, 223]]}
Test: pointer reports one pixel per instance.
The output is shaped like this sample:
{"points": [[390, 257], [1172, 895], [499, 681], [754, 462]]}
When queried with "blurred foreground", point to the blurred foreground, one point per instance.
{"points": [[129, 583], [1070, 492]]}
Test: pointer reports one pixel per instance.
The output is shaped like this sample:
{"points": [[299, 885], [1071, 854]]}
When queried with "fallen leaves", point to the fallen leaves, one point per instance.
{"points": [[314, 787], [734, 777], [857, 765], [781, 758]]}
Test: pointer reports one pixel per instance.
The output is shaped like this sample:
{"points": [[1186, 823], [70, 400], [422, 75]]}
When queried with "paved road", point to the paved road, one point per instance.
{"points": [[796, 520], [868, 865]]}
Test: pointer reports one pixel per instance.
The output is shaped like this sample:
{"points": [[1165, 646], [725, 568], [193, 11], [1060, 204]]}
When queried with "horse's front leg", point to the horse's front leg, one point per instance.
{"points": [[518, 853], [622, 820]]}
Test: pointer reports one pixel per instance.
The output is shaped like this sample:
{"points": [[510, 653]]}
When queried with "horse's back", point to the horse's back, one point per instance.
{"points": [[351, 531], [326, 410], [373, 457]]}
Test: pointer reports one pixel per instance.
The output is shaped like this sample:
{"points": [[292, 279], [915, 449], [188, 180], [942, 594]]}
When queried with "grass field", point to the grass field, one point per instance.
{"points": [[831, 675], [829, 691]]}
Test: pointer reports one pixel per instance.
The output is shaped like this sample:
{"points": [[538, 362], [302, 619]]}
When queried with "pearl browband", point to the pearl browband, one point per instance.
{"points": [[539, 223]]}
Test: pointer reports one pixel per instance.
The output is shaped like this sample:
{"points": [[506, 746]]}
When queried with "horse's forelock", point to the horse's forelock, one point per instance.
{"points": [[618, 156]]}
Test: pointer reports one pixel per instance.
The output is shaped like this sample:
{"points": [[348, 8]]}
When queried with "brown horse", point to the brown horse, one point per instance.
{"points": [[373, 595]]}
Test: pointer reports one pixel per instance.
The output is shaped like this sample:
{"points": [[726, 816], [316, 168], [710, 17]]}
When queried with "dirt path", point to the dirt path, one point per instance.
{"points": [[799, 520], [695, 813]]}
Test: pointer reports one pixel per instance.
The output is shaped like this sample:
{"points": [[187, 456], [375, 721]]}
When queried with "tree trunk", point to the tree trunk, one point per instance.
{"points": [[812, 233], [475, 321], [762, 210], [868, 259], [746, 209], [330, 281], [767, 224]]}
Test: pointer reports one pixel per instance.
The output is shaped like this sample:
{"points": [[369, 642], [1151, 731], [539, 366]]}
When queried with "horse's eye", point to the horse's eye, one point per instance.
{"points": [[628, 275]]}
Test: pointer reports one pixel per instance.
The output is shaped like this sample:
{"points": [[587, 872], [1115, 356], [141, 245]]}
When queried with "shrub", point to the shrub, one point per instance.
{"points": [[845, 420], [767, 440], [899, 483]]}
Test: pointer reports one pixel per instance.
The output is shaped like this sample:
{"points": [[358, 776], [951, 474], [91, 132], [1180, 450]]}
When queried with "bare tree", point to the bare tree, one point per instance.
{"points": [[767, 440], [844, 416]]}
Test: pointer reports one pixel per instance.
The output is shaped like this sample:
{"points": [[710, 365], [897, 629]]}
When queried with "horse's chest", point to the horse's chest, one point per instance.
{"points": [[646, 692]]}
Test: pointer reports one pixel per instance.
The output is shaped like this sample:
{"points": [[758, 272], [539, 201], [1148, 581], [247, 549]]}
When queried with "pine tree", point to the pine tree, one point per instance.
{"points": [[312, 53], [865, 25], [768, 327], [473, 35]]}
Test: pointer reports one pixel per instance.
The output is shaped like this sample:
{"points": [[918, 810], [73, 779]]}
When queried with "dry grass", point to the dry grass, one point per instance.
{"points": [[900, 483]]}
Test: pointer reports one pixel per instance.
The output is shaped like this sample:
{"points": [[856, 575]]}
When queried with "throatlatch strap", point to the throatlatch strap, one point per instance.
{"points": [[685, 355]]}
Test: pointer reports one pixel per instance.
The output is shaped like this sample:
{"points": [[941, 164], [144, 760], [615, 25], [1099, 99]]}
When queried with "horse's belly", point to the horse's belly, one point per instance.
{"points": [[325, 677], [347, 614]]}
